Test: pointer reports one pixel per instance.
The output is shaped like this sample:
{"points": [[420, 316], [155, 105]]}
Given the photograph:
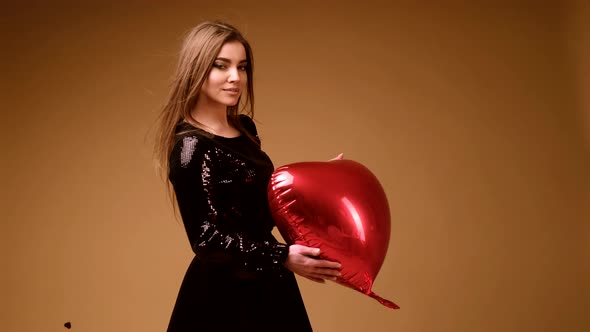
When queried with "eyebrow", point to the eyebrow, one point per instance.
{"points": [[228, 60]]}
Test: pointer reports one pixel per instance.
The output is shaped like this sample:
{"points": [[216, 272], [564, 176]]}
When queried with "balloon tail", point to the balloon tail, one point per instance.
{"points": [[383, 301]]}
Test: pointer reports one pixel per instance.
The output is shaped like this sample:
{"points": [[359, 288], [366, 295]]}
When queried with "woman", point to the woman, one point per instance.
{"points": [[241, 278]]}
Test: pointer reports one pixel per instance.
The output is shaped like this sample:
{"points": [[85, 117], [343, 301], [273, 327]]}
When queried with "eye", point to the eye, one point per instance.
{"points": [[219, 65], [243, 67]]}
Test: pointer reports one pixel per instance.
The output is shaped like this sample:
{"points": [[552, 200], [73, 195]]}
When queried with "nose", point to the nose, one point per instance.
{"points": [[234, 75]]}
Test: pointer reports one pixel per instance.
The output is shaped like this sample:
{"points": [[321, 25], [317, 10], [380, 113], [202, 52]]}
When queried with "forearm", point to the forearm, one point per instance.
{"points": [[214, 245]]}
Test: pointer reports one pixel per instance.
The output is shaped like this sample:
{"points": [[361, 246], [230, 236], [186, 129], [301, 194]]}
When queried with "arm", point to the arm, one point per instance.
{"points": [[190, 174]]}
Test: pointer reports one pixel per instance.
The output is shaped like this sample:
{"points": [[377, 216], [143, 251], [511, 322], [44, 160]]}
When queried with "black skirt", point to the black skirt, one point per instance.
{"points": [[215, 298]]}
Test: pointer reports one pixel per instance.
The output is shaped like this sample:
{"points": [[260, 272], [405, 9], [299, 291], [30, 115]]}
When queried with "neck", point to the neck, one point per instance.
{"points": [[211, 115]]}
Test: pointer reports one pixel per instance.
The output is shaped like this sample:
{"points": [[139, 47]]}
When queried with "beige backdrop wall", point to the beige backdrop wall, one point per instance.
{"points": [[578, 38], [471, 115]]}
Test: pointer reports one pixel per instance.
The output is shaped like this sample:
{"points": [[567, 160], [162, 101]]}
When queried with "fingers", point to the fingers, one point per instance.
{"points": [[305, 262], [317, 263], [314, 252], [319, 280], [323, 272], [327, 272], [324, 264], [328, 264], [338, 157], [329, 275], [303, 250], [320, 276]]}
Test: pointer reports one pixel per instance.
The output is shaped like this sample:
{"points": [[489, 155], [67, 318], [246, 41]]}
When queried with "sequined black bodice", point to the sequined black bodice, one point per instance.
{"points": [[220, 185]]}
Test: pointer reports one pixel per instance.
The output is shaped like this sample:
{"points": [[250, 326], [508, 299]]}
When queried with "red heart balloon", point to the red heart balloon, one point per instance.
{"points": [[340, 207]]}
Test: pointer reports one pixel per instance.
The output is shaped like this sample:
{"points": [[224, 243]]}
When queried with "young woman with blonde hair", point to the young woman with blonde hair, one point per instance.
{"points": [[241, 278]]}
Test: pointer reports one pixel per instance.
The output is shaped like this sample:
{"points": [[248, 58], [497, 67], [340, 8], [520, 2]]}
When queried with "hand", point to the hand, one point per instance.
{"points": [[338, 157], [301, 260]]}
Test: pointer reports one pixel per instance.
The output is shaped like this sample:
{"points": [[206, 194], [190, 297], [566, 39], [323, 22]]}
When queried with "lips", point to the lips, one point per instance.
{"points": [[232, 90]]}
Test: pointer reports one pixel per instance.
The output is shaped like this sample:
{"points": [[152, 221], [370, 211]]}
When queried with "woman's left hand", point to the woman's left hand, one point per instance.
{"points": [[338, 157], [305, 261]]}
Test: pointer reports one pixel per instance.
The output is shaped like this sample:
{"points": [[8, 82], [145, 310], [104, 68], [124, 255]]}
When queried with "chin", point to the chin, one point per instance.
{"points": [[232, 102]]}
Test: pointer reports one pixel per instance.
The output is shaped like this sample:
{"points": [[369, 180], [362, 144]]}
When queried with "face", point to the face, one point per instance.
{"points": [[227, 79]]}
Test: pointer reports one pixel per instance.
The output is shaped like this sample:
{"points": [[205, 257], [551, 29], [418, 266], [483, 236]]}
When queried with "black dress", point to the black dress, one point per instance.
{"points": [[237, 281]]}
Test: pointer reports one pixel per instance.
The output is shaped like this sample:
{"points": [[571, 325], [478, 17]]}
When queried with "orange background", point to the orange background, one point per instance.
{"points": [[474, 116]]}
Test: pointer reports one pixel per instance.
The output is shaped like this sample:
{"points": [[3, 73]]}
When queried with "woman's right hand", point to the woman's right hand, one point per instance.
{"points": [[302, 260]]}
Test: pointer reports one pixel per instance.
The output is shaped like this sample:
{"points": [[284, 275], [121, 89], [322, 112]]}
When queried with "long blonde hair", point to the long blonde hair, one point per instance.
{"points": [[199, 49]]}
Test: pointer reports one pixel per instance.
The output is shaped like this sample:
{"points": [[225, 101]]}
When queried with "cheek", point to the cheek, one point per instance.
{"points": [[215, 78]]}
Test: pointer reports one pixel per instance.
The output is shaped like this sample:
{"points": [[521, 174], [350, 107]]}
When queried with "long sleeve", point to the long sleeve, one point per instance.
{"points": [[208, 202]]}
